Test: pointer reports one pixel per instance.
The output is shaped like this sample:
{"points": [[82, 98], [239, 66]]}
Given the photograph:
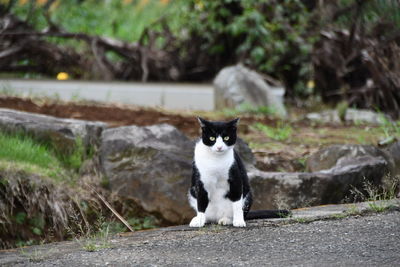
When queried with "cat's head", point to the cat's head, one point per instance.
{"points": [[219, 136]]}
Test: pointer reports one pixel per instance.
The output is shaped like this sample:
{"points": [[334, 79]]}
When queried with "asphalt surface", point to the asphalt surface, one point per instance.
{"points": [[361, 240], [166, 95]]}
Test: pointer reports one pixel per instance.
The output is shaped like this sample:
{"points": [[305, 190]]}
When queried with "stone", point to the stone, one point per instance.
{"points": [[394, 151], [152, 166], [273, 190], [237, 85], [61, 133], [351, 115], [331, 156]]}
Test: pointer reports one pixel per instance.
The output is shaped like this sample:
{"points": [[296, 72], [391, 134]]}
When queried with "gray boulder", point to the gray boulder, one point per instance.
{"points": [[152, 166], [294, 190], [61, 133], [334, 155], [237, 85], [393, 151]]}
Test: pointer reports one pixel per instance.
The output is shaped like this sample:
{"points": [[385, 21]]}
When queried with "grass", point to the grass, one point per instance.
{"points": [[24, 149], [378, 196], [22, 152], [246, 108], [280, 133]]}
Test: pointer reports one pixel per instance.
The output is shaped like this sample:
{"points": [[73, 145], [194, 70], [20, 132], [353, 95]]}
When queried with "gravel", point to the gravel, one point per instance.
{"points": [[368, 240]]}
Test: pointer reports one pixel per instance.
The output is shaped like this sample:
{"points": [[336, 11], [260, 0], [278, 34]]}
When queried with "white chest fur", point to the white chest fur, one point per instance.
{"points": [[213, 167], [214, 174]]}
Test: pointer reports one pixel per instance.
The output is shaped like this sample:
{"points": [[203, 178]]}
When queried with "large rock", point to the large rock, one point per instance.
{"points": [[152, 166], [331, 156], [61, 133], [393, 151], [293, 190], [237, 85]]}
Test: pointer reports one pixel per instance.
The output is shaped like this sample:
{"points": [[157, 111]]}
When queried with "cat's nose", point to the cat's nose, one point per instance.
{"points": [[219, 148]]}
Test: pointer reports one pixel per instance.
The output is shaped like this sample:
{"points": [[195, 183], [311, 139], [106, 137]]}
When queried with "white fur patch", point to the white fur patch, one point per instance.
{"points": [[238, 218], [198, 221]]}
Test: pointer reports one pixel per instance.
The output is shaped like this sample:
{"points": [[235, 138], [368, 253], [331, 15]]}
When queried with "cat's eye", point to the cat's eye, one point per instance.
{"points": [[212, 138], [226, 138]]}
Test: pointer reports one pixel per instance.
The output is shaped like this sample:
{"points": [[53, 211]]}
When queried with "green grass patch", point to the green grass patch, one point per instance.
{"points": [[21, 148], [281, 132], [247, 108], [21, 152]]}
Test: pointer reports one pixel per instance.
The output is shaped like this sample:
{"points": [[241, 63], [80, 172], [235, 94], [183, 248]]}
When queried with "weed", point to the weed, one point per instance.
{"points": [[280, 133], [353, 210], [74, 159], [377, 196], [303, 220], [342, 110], [388, 128], [33, 256], [338, 216], [95, 237]]}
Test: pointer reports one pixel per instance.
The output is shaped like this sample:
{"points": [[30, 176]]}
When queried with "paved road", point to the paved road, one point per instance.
{"points": [[368, 240], [166, 95]]}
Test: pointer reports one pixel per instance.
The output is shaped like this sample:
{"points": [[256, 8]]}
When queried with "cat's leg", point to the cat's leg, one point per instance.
{"points": [[235, 194], [238, 217], [202, 203]]}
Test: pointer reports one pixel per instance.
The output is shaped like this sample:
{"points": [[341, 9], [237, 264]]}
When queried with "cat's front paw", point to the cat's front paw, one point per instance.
{"points": [[198, 221], [225, 221], [239, 223]]}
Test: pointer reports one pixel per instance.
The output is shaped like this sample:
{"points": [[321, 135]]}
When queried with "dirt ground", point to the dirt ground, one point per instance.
{"points": [[271, 155]]}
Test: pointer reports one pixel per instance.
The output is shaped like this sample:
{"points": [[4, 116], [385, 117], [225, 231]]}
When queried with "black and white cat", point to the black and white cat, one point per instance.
{"points": [[220, 190]]}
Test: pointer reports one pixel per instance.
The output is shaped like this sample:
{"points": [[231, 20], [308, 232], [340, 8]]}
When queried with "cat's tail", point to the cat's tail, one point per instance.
{"points": [[267, 214]]}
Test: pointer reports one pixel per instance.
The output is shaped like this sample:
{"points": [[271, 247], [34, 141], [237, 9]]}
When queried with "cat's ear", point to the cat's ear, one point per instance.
{"points": [[234, 122], [202, 122]]}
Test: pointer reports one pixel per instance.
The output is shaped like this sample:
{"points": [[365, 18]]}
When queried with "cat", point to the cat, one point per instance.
{"points": [[220, 191]]}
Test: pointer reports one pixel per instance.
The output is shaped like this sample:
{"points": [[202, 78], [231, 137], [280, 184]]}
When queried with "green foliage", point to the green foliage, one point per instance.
{"points": [[389, 128], [125, 20], [270, 36], [280, 133], [342, 109], [373, 12]]}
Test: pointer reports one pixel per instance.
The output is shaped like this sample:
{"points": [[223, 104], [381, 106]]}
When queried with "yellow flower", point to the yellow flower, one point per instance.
{"points": [[54, 5], [164, 2], [62, 76], [22, 2], [41, 2], [142, 4], [311, 84]]}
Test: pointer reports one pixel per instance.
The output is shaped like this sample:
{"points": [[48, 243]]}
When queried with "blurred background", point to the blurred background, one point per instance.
{"points": [[333, 51]]}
